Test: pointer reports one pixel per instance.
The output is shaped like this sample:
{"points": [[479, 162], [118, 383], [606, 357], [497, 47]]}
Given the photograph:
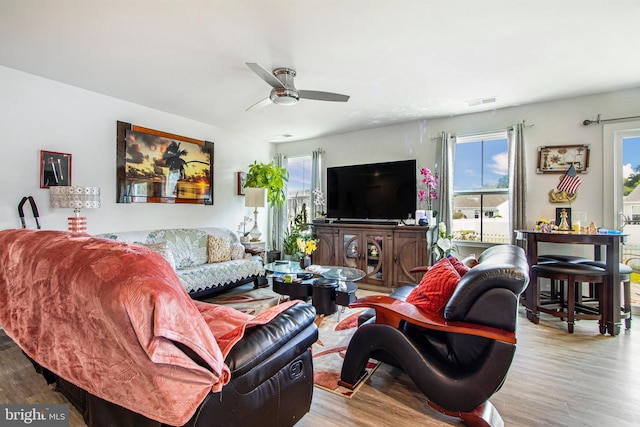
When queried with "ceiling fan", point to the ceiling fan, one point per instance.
{"points": [[284, 92]]}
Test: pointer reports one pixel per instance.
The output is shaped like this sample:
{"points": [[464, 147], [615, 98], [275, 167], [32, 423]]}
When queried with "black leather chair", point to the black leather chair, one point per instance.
{"points": [[271, 380], [458, 359]]}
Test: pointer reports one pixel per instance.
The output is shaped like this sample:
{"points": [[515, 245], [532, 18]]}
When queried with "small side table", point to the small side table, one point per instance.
{"points": [[323, 295], [345, 295], [256, 248], [302, 290]]}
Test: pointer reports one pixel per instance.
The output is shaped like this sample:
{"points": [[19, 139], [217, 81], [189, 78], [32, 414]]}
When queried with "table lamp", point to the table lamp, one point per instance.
{"points": [[255, 198], [75, 197]]}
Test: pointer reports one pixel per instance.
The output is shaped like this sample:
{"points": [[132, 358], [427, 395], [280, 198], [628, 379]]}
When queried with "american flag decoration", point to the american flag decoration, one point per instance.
{"points": [[570, 181]]}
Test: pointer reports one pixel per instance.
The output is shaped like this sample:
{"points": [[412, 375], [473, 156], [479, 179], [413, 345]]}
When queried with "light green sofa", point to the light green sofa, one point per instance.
{"points": [[187, 251]]}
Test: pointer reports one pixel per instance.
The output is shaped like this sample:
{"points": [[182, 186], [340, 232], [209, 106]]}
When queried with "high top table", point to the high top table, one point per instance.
{"points": [[611, 243]]}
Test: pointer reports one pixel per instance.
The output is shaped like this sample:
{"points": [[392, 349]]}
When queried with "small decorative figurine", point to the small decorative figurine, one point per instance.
{"points": [[564, 224]]}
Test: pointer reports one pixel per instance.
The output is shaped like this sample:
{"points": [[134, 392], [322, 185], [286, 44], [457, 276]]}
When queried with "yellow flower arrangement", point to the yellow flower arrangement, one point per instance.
{"points": [[306, 247]]}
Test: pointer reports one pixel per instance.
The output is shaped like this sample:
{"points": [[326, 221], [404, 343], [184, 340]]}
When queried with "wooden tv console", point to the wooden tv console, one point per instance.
{"points": [[386, 253]]}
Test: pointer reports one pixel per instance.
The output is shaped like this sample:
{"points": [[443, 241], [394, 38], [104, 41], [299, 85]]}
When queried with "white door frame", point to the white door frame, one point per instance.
{"points": [[612, 136]]}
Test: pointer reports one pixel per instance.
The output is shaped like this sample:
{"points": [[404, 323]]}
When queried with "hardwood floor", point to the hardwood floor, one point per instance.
{"points": [[556, 379]]}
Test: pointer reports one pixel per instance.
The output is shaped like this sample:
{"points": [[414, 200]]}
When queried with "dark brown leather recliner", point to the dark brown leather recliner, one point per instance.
{"points": [[271, 380], [458, 359], [124, 342]]}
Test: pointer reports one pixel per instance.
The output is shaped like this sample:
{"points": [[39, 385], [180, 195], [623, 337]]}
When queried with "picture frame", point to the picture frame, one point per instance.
{"points": [[153, 166], [242, 179], [55, 169], [559, 216], [559, 158]]}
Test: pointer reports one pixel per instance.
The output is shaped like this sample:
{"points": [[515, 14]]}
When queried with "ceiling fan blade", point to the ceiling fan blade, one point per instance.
{"points": [[323, 96], [265, 75], [260, 104]]}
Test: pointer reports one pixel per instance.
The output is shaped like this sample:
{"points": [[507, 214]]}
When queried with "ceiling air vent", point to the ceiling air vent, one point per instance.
{"points": [[481, 101]]}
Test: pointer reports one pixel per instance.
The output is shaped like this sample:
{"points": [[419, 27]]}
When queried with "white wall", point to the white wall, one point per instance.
{"points": [[555, 123], [40, 114]]}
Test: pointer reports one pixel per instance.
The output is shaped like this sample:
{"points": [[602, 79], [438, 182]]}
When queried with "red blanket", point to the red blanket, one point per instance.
{"points": [[107, 315]]}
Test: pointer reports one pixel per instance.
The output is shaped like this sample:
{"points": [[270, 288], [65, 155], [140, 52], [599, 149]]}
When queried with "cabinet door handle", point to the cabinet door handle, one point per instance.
{"points": [[395, 259]]}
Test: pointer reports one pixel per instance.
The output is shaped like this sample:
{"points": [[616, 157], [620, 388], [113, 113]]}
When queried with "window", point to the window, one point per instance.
{"points": [[481, 188], [298, 187]]}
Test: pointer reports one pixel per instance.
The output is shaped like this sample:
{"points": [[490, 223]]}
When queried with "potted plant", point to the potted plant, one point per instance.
{"points": [[271, 177], [298, 229], [428, 194], [307, 244], [290, 243], [444, 245], [242, 229]]}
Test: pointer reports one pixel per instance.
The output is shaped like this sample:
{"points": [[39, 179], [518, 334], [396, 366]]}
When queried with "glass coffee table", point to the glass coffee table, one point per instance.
{"points": [[335, 287]]}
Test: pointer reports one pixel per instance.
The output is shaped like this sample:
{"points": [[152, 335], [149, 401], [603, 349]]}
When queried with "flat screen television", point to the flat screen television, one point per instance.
{"points": [[375, 191]]}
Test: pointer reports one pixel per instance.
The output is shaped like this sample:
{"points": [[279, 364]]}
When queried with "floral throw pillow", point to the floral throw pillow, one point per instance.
{"points": [[436, 287], [219, 249], [237, 251], [163, 250]]}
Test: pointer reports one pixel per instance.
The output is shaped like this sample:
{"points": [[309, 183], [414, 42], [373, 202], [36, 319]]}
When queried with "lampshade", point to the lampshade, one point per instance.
{"points": [[76, 198], [255, 197]]}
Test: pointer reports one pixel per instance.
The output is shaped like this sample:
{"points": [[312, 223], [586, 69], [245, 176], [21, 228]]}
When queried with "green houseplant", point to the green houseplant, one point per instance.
{"points": [[271, 177], [297, 229]]}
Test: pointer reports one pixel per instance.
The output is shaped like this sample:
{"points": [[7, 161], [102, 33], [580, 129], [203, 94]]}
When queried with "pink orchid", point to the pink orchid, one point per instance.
{"points": [[431, 181]]}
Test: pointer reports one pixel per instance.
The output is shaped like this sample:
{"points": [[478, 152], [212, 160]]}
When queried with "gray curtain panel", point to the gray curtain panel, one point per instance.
{"points": [[517, 180], [445, 190], [316, 180], [279, 215]]}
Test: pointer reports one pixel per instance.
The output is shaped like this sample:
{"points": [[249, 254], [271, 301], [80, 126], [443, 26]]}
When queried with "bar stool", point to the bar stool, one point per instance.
{"points": [[555, 287], [625, 281], [563, 258], [572, 309]]}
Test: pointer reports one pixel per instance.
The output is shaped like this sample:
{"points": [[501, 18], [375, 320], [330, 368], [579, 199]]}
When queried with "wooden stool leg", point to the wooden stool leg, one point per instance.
{"points": [[604, 306], [626, 308], [571, 303], [561, 297], [532, 313]]}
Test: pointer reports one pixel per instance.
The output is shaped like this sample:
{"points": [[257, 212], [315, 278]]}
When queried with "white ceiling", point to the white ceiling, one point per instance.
{"points": [[399, 60]]}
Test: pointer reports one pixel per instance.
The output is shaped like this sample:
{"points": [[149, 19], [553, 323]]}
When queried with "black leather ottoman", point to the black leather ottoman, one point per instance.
{"points": [[324, 296]]}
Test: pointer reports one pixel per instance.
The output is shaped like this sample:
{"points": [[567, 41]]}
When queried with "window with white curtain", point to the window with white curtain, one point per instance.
{"points": [[481, 188]]}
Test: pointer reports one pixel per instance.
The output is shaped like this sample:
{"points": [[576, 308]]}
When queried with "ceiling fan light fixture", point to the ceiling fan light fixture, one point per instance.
{"points": [[284, 96], [284, 91]]}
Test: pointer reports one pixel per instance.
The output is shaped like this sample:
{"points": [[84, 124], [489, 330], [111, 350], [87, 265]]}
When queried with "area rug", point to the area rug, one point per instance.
{"points": [[329, 351], [334, 333]]}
